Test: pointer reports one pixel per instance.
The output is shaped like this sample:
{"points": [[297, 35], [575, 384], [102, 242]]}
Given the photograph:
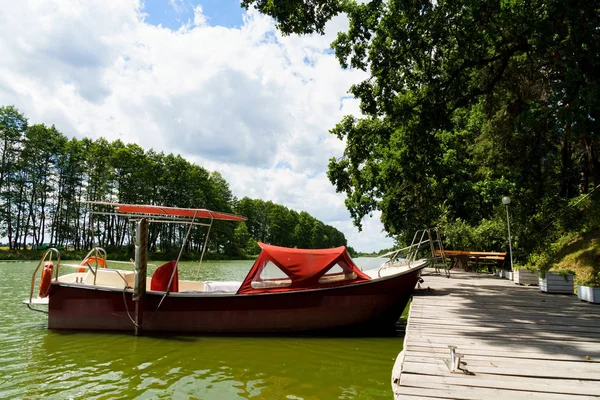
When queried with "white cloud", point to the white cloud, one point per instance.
{"points": [[199, 17], [178, 5], [245, 101]]}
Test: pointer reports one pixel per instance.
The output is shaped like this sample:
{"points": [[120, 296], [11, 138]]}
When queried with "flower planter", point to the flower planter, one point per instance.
{"points": [[507, 274], [525, 277], [556, 283], [588, 293]]}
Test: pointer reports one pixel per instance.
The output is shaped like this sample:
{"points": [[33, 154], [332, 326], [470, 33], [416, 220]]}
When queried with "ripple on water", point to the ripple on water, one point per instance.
{"points": [[36, 363]]}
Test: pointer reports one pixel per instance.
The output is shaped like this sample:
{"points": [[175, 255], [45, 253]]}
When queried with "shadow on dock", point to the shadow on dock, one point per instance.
{"points": [[516, 341]]}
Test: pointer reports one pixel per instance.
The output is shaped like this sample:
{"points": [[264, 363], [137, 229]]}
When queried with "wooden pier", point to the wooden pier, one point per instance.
{"points": [[515, 342]]}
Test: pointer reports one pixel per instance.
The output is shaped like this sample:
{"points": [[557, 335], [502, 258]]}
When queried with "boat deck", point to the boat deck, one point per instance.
{"points": [[517, 342]]}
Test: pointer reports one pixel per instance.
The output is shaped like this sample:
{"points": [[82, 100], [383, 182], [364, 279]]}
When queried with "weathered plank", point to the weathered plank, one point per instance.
{"points": [[520, 367], [475, 393], [564, 386], [589, 355], [517, 342], [508, 343]]}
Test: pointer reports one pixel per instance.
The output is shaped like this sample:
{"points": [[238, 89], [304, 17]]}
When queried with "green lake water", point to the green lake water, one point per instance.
{"points": [[37, 363]]}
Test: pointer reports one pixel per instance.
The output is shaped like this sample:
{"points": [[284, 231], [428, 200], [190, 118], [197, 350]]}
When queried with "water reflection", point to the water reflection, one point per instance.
{"points": [[37, 363]]}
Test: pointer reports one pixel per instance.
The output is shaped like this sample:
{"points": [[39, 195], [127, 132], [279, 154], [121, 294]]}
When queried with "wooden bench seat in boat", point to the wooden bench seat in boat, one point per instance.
{"points": [[271, 283], [191, 286], [110, 278], [337, 277]]}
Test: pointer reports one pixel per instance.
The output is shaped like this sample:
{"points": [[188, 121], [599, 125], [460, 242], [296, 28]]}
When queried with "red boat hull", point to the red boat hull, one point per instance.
{"points": [[374, 304]]}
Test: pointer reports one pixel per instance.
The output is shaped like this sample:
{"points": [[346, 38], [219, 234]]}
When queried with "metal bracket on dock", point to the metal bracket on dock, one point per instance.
{"points": [[455, 364]]}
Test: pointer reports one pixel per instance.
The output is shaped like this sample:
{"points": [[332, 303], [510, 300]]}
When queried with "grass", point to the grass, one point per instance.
{"points": [[581, 255]]}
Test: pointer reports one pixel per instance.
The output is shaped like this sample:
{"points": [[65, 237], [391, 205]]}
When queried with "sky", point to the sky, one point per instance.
{"points": [[205, 79]]}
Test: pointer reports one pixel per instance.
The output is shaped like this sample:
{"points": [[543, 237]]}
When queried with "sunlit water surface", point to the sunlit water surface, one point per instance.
{"points": [[37, 363]]}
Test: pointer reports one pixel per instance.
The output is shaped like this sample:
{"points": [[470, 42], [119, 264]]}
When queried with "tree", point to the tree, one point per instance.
{"points": [[13, 125], [303, 230], [304, 16], [466, 100], [47, 180], [67, 211], [39, 160]]}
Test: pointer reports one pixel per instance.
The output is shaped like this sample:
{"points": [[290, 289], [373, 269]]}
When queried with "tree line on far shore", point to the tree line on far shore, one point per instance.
{"points": [[46, 178]]}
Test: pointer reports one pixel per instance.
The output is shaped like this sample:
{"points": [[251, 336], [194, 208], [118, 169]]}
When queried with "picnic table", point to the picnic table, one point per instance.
{"points": [[468, 259]]}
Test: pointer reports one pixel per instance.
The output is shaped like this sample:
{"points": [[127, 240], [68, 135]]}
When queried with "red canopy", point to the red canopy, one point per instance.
{"points": [[177, 212], [306, 269]]}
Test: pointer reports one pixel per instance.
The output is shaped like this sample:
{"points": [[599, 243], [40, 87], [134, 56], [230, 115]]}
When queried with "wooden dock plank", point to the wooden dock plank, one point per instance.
{"points": [[519, 367], [514, 326], [516, 342], [441, 391], [558, 386], [592, 355]]}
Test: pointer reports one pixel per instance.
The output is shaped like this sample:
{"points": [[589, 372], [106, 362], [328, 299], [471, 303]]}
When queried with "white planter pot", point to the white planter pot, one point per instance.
{"points": [[556, 283], [525, 277], [588, 293], [507, 274]]}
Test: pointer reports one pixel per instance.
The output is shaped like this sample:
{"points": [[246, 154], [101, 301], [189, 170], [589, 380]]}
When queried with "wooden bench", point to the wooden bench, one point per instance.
{"points": [[111, 278], [465, 259]]}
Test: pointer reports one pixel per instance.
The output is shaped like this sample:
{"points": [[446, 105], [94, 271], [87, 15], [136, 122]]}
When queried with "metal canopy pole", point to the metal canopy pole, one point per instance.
{"points": [[204, 248], [141, 269]]}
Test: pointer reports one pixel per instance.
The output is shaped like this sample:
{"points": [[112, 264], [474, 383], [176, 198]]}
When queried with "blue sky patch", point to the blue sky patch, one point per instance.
{"points": [[173, 14], [283, 165]]}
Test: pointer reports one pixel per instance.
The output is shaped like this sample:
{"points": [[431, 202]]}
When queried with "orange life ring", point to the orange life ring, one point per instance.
{"points": [[46, 279], [89, 261]]}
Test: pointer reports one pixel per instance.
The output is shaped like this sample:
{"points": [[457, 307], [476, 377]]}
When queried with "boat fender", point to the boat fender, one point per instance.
{"points": [[90, 261], [46, 279]]}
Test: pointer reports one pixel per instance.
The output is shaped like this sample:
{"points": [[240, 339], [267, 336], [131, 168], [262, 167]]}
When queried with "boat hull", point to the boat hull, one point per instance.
{"points": [[372, 306]]}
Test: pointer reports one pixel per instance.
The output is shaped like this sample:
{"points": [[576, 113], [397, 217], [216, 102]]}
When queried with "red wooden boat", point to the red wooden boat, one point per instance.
{"points": [[286, 290]]}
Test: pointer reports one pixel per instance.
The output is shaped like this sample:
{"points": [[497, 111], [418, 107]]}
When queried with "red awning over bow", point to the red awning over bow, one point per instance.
{"points": [[304, 268]]}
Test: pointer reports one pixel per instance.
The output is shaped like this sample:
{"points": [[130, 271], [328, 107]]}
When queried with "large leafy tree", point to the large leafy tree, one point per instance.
{"points": [[39, 159], [13, 126], [66, 212], [466, 100]]}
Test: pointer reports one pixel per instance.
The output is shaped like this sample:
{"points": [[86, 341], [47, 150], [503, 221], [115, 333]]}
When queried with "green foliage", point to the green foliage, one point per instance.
{"points": [[45, 178], [575, 252], [297, 16], [547, 258], [252, 248], [489, 235], [466, 101], [563, 272], [275, 224], [594, 281], [459, 235]]}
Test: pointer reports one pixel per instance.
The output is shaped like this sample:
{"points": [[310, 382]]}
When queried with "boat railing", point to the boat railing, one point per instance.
{"points": [[97, 258], [94, 259], [436, 247], [424, 240], [404, 256], [47, 257]]}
